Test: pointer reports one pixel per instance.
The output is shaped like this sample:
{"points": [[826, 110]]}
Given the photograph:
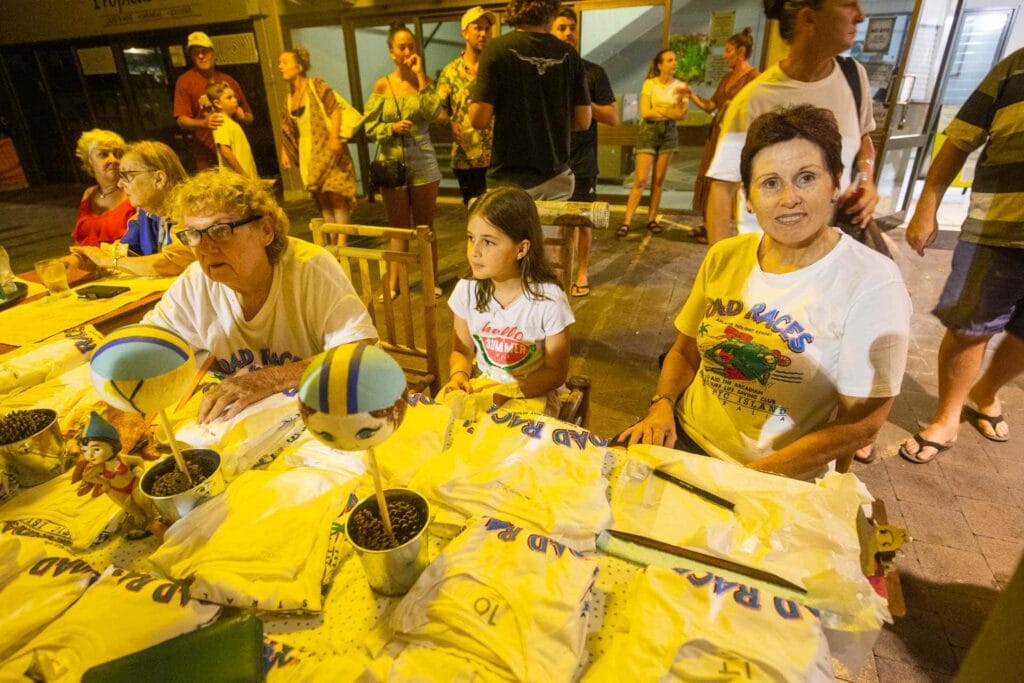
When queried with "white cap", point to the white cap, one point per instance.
{"points": [[199, 39], [474, 13]]}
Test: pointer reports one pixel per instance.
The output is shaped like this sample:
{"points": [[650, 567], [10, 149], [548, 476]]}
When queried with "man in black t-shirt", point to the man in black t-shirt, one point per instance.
{"points": [[534, 88], [583, 144]]}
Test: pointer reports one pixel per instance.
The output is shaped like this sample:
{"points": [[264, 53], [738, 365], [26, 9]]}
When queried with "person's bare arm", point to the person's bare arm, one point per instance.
{"points": [[225, 400], [677, 373], [706, 105], [211, 121], [856, 425], [460, 363], [231, 159], [719, 209], [581, 117], [863, 208], [555, 370], [923, 226], [608, 114], [481, 114]]}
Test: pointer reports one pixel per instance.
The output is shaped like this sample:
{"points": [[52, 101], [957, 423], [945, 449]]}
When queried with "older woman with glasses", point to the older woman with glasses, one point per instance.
{"points": [[150, 170], [260, 302]]}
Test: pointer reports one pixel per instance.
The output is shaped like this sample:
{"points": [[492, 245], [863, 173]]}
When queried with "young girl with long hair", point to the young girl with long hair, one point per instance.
{"points": [[511, 315]]}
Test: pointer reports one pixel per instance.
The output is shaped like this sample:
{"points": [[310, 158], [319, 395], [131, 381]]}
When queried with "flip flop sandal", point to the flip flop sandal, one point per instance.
{"points": [[654, 227], [622, 231], [923, 443], [869, 458], [579, 290], [976, 418]]}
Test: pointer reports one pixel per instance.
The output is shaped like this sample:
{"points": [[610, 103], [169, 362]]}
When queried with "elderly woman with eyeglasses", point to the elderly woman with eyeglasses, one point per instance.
{"points": [[149, 171], [260, 302]]}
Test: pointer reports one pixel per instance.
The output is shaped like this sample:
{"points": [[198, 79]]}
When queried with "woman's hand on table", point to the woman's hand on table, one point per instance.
{"points": [[89, 258], [657, 429], [233, 395]]}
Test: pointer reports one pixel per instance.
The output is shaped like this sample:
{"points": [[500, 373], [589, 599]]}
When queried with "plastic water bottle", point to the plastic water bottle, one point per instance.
{"points": [[578, 214], [7, 286]]}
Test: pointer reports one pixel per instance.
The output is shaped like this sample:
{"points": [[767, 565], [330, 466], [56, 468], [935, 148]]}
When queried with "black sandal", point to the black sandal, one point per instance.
{"points": [[654, 227], [623, 230]]}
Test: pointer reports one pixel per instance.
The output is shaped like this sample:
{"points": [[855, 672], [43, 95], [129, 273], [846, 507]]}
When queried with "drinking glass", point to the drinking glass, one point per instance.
{"points": [[54, 275]]}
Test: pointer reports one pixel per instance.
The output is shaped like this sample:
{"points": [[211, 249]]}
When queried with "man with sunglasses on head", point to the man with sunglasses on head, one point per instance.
{"points": [[260, 302]]}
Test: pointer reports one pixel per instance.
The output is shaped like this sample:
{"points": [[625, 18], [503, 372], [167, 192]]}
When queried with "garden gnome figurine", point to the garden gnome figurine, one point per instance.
{"points": [[103, 469]]}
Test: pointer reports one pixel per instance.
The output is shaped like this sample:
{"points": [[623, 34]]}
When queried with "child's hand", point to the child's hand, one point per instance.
{"points": [[458, 382]]}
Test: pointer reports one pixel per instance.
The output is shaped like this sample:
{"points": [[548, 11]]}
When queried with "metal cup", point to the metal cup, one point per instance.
{"points": [[174, 507], [393, 571], [40, 457]]}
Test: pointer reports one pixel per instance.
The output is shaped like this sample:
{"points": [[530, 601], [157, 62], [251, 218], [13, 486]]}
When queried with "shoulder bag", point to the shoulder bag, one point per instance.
{"points": [[389, 172]]}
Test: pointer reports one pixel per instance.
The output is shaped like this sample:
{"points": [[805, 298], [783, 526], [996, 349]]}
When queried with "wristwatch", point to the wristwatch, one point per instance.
{"points": [[667, 397]]}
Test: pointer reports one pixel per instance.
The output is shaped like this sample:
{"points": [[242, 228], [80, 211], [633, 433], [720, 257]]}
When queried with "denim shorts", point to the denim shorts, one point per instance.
{"points": [[984, 294], [655, 137]]}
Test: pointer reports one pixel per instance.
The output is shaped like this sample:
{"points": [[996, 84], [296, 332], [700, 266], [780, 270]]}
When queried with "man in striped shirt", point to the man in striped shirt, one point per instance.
{"points": [[984, 294]]}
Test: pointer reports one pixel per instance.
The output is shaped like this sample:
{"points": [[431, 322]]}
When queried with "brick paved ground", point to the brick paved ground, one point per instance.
{"points": [[965, 511]]}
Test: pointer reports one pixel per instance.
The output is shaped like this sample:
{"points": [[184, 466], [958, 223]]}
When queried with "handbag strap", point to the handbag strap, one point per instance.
{"points": [[398, 108]]}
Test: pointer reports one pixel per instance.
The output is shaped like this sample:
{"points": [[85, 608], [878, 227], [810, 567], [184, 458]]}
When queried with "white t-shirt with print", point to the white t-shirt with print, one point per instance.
{"points": [[311, 307], [510, 341], [777, 350], [774, 89]]}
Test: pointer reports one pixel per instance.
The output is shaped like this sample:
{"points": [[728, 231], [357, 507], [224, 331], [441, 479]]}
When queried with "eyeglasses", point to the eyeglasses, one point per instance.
{"points": [[218, 232], [128, 176]]}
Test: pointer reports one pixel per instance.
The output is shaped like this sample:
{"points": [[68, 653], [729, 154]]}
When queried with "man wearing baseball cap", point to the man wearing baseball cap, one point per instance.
{"points": [[192, 110], [471, 151]]}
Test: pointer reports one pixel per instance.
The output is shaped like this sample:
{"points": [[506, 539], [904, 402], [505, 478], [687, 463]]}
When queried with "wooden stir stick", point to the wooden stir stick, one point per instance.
{"points": [[382, 503], [178, 459]]}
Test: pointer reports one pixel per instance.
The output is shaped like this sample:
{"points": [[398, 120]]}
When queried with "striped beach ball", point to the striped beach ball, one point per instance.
{"points": [[142, 368], [352, 397]]}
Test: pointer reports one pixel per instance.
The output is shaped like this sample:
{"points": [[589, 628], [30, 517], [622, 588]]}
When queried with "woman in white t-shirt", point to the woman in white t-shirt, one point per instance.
{"points": [[511, 316], [793, 342], [255, 299], [663, 101]]}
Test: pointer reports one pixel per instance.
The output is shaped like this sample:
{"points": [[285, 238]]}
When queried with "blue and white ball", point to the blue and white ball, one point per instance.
{"points": [[142, 368], [352, 397]]}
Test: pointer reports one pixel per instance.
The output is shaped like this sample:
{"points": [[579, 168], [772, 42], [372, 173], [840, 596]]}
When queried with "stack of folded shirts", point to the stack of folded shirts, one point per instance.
{"points": [[38, 581], [54, 510], [696, 626], [122, 613], [534, 471], [501, 601], [262, 544]]}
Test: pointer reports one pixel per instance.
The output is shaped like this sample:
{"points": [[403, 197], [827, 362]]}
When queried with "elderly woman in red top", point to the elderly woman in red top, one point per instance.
{"points": [[104, 212]]}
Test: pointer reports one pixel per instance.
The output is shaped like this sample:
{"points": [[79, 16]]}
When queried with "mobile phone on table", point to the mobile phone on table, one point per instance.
{"points": [[100, 291]]}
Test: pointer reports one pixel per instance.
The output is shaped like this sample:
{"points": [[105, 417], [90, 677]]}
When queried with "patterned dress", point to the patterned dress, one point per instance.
{"points": [[305, 135], [723, 95], [476, 149]]}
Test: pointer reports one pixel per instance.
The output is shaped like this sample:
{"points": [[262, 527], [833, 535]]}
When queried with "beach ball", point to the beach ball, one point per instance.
{"points": [[352, 397], [142, 368]]}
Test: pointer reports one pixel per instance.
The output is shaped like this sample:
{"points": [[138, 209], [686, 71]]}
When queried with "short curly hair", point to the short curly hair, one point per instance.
{"points": [[100, 137], [301, 57], [219, 190], [531, 12]]}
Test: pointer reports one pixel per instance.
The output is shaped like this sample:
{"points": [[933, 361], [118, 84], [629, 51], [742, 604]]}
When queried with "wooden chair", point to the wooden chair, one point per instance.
{"points": [[406, 323]]}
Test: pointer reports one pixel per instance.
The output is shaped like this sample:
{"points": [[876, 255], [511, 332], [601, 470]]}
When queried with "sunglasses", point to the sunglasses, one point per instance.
{"points": [[218, 232]]}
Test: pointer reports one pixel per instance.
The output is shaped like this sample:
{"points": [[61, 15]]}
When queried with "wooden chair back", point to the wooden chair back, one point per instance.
{"points": [[407, 322]]}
